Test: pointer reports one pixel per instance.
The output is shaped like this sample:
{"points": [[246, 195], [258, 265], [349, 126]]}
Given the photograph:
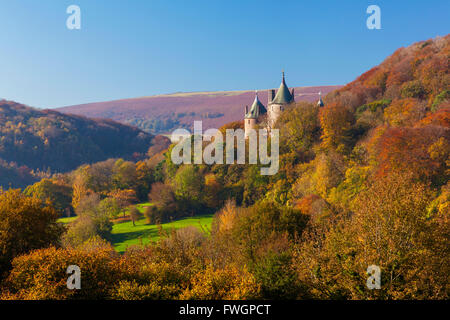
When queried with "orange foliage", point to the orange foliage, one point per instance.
{"points": [[408, 150], [305, 204], [438, 118], [336, 121], [424, 62], [404, 112]]}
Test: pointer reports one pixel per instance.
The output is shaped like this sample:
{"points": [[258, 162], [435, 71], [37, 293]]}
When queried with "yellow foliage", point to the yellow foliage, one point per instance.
{"points": [[228, 283]]}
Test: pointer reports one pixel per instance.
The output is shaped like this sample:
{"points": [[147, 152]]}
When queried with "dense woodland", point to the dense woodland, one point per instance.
{"points": [[34, 143], [363, 180]]}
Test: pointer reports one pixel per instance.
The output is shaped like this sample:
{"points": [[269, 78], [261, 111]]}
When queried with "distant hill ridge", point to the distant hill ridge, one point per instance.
{"points": [[166, 112]]}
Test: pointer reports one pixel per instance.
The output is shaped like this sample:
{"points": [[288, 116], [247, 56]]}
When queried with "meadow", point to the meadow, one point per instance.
{"points": [[125, 234]]}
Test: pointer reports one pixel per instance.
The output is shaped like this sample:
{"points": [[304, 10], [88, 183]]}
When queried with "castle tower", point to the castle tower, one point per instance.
{"points": [[276, 103], [251, 117], [320, 102]]}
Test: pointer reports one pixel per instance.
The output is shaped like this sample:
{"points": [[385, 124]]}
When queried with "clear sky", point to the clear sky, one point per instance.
{"points": [[138, 48]]}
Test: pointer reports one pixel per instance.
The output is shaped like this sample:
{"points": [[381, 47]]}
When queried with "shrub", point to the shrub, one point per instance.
{"points": [[413, 89], [373, 106], [131, 290], [441, 97], [42, 273], [155, 215], [275, 274], [229, 284], [26, 223]]}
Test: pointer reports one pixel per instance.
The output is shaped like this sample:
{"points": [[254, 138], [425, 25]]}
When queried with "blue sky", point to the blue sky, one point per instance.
{"points": [[143, 47]]}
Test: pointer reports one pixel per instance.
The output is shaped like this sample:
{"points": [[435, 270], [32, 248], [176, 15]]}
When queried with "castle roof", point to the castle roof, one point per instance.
{"points": [[320, 102], [256, 109], [283, 95]]}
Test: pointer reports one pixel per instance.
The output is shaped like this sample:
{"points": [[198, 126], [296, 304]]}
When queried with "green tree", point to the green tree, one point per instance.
{"points": [[92, 221], [125, 176], [189, 183], [59, 194], [109, 207]]}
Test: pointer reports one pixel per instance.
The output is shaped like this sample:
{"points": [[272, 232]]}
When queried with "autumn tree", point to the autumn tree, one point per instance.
{"points": [[404, 112], [259, 238], [421, 151], [42, 274], [60, 195], [299, 129], [80, 184], [93, 220], [124, 198], [145, 178], [212, 193], [135, 214], [109, 207], [26, 223], [160, 143], [100, 176], [124, 176], [229, 283], [161, 195], [336, 122], [390, 228]]}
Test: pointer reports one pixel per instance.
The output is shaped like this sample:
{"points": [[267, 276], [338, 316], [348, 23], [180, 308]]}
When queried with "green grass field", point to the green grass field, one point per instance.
{"points": [[67, 220], [125, 234]]}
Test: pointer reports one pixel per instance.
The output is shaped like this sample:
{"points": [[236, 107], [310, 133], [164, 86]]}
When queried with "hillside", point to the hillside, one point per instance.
{"points": [[14, 176], [164, 113], [44, 140], [418, 74]]}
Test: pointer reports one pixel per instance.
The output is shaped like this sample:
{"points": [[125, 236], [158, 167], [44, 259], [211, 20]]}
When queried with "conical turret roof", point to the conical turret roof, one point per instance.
{"points": [[283, 95], [256, 109], [320, 102]]}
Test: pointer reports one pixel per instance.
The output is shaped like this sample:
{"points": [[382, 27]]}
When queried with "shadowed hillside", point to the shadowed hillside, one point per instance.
{"points": [[47, 139], [164, 113]]}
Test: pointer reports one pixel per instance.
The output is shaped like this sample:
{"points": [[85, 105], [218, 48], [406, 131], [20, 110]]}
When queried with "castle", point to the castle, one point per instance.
{"points": [[275, 105]]}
